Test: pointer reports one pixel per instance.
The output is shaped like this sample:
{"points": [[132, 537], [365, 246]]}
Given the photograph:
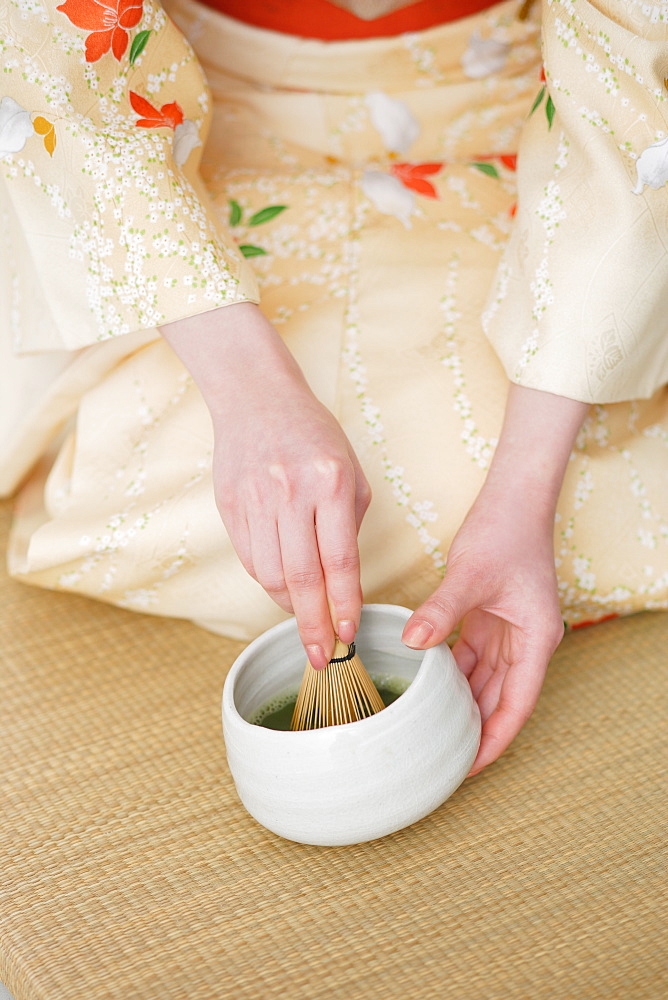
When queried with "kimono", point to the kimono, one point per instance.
{"points": [[423, 217]]}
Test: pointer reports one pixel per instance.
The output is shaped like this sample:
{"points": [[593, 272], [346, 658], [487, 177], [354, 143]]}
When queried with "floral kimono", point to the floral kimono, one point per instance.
{"points": [[423, 217]]}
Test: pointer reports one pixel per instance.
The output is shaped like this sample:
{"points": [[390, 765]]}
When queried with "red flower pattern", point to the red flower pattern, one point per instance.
{"points": [[412, 175], [509, 160], [169, 115], [107, 20]]}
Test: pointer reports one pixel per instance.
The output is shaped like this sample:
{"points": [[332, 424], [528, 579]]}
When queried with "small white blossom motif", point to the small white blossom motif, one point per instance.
{"points": [[394, 120], [15, 127], [652, 166], [484, 56], [186, 137], [389, 195]]}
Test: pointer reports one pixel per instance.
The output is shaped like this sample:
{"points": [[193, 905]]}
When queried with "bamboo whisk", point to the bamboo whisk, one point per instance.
{"points": [[342, 692]]}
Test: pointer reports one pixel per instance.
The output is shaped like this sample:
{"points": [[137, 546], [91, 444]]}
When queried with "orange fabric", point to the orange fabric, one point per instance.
{"points": [[323, 20]]}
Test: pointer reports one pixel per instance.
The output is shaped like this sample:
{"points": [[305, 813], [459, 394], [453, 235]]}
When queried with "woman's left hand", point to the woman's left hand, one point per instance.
{"points": [[500, 582], [501, 585]]}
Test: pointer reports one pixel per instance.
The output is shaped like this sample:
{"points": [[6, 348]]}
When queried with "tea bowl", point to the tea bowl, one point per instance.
{"points": [[363, 780]]}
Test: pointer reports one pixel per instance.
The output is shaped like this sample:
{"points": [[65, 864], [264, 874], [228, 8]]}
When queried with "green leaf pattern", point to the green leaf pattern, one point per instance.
{"points": [[549, 111], [257, 219], [266, 214], [539, 98], [549, 105], [138, 45], [248, 250], [235, 212], [486, 168]]}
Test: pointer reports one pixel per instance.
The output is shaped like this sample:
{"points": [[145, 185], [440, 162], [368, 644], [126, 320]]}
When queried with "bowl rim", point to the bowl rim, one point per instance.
{"points": [[231, 715]]}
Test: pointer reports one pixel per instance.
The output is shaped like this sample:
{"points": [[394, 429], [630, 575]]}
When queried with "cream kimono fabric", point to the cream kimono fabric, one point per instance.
{"points": [[372, 192]]}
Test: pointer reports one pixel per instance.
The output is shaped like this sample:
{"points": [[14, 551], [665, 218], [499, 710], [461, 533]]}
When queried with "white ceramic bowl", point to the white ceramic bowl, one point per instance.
{"points": [[352, 783]]}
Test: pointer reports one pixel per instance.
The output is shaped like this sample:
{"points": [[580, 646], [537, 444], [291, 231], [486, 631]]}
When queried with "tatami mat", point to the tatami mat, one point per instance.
{"points": [[130, 870]]}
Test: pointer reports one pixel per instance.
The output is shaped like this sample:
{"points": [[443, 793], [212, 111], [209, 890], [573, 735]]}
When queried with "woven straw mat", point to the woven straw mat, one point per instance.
{"points": [[130, 869]]}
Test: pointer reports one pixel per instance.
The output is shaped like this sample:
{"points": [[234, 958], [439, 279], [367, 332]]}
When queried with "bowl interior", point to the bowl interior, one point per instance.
{"points": [[273, 665]]}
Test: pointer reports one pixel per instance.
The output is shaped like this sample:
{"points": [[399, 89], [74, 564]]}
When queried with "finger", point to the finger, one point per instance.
{"points": [[491, 747], [481, 676], [336, 532], [516, 701], [488, 693], [266, 560], [239, 535], [305, 583], [465, 656], [498, 733], [493, 660], [434, 620]]}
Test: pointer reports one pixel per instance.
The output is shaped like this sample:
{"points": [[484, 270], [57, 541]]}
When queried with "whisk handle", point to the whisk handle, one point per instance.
{"points": [[348, 656]]}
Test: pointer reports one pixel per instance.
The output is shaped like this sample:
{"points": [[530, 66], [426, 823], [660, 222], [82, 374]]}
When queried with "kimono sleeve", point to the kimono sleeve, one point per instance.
{"points": [[106, 227], [579, 307]]}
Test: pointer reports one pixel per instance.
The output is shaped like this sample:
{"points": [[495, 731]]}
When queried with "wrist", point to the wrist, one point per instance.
{"points": [[536, 441]]}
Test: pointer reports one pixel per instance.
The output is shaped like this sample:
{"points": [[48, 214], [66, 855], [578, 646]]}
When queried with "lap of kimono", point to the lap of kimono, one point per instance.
{"points": [[372, 188]]}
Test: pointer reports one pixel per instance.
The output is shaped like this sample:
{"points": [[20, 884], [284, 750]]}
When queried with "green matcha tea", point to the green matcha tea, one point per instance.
{"points": [[277, 714]]}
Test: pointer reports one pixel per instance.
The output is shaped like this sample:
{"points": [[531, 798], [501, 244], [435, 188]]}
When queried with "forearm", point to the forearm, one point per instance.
{"points": [[537, 437], [500, 583], [288, 485], [227, 348]]}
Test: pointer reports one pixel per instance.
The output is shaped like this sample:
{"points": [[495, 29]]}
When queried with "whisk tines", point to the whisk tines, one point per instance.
{"points": [[342, 692]]}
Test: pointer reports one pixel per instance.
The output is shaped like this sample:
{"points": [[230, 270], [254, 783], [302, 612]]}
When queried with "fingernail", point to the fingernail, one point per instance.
{"points": [[346, 630], [316, 656], [417, 633]]}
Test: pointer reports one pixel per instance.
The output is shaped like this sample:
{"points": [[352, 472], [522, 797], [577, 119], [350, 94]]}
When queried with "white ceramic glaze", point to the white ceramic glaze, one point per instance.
{"points": [[352, 783]]}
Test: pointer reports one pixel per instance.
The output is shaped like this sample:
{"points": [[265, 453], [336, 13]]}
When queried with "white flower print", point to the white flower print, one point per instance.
{"points": [[389, 195], [15, 127], [394, 120], [652, 166], [484, 56], [186, 137]]}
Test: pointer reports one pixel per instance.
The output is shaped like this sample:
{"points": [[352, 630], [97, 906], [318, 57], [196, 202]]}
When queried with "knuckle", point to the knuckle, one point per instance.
{"points": [[283, 602], [226, 501], [303, 579], [556, 635], [551, 632], [559, 629], [274, 585], [365, 494], [520, 713], [333, 474], [342, 563], [310, 631], [440, 606], [283, 476]]}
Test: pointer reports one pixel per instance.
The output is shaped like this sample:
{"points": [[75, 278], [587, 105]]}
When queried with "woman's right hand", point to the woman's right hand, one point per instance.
{"points": [[287, 482]]}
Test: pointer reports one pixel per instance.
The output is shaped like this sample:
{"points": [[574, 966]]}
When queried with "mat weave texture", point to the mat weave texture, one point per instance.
{"points": [[130, 869]]}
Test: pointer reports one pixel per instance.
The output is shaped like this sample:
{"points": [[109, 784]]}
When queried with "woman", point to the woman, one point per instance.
{"points": [[369, 178]]}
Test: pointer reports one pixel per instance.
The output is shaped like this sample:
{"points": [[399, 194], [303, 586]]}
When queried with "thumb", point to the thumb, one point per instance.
{"points": [[434, 620]]}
